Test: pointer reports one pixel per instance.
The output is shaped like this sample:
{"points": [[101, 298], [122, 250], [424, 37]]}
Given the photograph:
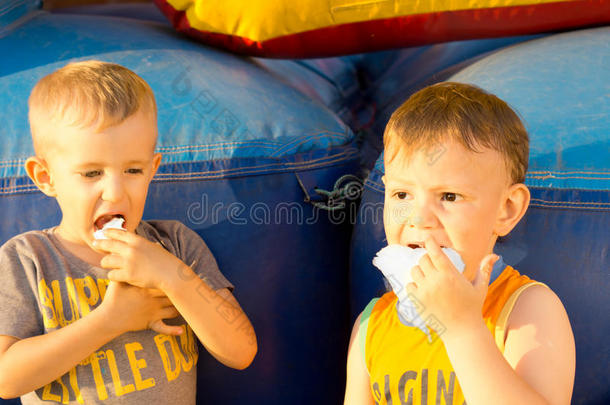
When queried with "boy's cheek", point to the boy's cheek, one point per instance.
{"points": [[390, 231], [392, 234]]}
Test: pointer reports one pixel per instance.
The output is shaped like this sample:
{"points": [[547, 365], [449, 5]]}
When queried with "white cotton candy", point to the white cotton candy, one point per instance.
{"points": [[114, 223], [396, 262]]}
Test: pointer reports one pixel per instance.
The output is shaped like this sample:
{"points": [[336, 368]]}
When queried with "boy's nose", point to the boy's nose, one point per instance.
{"points": [[113, 190], [422, 216]]}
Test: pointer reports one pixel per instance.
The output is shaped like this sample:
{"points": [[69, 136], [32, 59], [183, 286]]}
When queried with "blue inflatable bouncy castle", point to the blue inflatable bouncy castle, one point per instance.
{"points": [[560, 86], [263, 158]]}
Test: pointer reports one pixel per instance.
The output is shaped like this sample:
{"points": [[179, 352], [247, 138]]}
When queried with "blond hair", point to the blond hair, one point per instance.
{"points": [[462, 113], [88, 94]]}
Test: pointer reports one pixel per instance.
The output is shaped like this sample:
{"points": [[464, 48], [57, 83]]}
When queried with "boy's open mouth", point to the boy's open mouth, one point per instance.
{"points": [[104, 219], [416, 245]]}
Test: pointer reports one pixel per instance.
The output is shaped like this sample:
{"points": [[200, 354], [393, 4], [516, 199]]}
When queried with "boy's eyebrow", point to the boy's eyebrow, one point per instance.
{"points": [[398, 183], [97, 164], [137, 161], [87, 165]]}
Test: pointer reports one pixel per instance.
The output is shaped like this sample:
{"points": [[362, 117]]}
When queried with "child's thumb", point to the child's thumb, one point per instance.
{"points": [[161, 327], [481, 280]]}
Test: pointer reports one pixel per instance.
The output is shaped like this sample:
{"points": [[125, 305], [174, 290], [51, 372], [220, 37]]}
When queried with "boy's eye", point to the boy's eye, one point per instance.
{"points": [[401, 195], [451, 197], [135, 171], [91, 173]]}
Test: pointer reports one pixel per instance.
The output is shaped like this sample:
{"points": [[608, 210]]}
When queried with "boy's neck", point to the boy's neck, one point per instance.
{"points": [[82, 251]]}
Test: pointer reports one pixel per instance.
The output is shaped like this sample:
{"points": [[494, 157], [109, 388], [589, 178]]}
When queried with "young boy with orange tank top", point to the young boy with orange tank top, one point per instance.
{"points": [[455, 159]]}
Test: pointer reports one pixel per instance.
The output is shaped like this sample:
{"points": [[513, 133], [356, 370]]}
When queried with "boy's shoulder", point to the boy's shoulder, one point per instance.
{"points": [[174, 235], [524, 296], [32, 234], [506, 281], [160, 230], [539, 306], [159, 225], [28, 243], [23, 256]]}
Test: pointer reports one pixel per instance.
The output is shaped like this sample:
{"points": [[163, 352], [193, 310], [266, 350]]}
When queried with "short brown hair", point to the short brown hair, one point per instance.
{"points": [[88, 94], [463, 113]]}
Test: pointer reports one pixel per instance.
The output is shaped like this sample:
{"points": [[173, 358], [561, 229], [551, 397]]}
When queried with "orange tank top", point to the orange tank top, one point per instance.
{"points": [[407, 367]]}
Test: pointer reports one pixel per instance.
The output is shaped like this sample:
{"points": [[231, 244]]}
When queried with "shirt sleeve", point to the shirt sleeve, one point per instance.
{"points": [[199, 257], [20, 316], [188, 246]]}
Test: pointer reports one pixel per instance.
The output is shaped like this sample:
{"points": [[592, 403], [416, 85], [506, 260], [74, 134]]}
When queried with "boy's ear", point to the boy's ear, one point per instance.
{"points": [[38, 170], [513, 208], [155, 164]]}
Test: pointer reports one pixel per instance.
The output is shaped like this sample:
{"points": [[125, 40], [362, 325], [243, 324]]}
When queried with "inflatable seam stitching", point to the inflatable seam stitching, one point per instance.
{"points": [[293, 145], [561, 171], [249, 170]]}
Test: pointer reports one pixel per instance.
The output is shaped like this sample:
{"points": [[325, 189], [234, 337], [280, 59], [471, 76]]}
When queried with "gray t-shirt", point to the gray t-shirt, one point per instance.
{"points": [[44, 287]]}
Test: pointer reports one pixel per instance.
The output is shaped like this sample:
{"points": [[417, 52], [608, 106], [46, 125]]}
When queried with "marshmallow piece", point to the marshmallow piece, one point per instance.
{"points": [[395, 262], [114, 223]]}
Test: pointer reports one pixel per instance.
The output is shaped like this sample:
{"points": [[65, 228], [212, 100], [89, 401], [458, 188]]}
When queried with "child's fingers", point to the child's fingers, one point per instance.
{"points": [[155, 292], [169, 312], [118, 276], [164, 302], [437, 257], [481, 280], [110, 245], [161, 327], [120, 235], [411, 288], [417, 274], [426, 265], [111, 261]]}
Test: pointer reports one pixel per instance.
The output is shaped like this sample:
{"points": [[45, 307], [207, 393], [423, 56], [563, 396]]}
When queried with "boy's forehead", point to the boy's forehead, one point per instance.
{"points": [[398, 154], [446, 161], [61, 138], [400, 150]]}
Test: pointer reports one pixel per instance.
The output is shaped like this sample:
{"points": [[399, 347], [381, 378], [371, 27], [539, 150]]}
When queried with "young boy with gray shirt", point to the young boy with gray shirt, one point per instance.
{"points": [[82, 319]]}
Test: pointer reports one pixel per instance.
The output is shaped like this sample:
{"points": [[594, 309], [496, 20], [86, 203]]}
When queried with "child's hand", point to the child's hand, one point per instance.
{"points": [[137, 261], [445, 292], [133, 308]]}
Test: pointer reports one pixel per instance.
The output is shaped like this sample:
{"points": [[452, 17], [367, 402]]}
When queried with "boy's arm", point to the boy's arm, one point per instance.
{"points": [[215, 316], [539, 357], [28, 364], [357, 387]]}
